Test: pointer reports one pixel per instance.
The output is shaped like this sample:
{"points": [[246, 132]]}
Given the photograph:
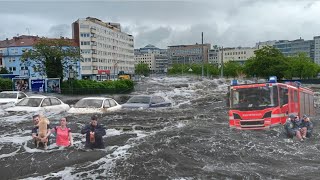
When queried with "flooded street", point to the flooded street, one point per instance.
{"points": [[191, 140]]}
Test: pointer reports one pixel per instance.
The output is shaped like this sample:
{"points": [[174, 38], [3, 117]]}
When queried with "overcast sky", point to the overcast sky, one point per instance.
{"points": [[228, 23]]}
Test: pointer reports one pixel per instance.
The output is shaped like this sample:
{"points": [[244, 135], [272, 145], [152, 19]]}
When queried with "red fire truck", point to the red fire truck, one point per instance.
{"points": [[263, 105]]}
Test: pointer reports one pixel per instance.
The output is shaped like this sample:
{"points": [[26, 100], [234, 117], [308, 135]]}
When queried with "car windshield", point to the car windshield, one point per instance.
{"points": [[140, 99], [8, 95], [31, 102], [89, 103]]}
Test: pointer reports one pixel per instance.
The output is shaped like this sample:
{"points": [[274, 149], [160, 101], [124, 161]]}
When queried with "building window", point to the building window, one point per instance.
{"points": [[12, 69], [84, 26]]}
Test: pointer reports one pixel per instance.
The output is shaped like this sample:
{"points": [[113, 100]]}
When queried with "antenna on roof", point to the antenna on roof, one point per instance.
{"points": [[28, 30]]}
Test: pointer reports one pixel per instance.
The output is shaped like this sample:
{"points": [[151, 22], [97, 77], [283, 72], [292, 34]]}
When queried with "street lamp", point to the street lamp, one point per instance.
{"points": [[202, 54], [71, 77], [221, 63]]}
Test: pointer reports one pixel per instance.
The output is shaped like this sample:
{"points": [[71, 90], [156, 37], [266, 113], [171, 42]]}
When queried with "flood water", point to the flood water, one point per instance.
{"points": [[191, 140]]}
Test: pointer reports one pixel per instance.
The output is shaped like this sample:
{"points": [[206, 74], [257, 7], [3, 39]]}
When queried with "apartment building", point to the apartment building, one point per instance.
{"points": [[156, 58], [1, 57], [146, 58], [260, 45], [214, 55], [238, 54], [105, 49], [12, 51], [317, 49], [188, 54], [292, 48]]}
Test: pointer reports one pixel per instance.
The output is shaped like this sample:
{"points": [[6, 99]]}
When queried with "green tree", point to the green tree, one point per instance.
{"points": [[232, 69], [268, 61], [51, 57], [302, 66], [4, 71], [142, 69]]}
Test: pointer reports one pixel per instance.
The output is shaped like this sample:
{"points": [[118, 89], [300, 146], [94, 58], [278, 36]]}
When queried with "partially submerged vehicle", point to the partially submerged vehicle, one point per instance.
{"points": [[39, 104], [10, 98], [146, 101], [94, 105], [263, 105]]}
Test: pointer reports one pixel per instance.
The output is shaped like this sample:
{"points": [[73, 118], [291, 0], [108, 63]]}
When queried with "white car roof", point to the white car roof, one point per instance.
{"points": [[97, 98], [41, 96], [10, 91]]}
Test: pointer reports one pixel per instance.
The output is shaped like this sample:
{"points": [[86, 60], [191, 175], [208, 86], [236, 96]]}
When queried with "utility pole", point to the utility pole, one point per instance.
{"points": [[202, 53], [221, 63], [182, 66]]}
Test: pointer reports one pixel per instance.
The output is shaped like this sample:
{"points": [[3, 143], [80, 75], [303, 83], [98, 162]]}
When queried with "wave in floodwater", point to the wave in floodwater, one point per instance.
{"points": [[191, 140]]}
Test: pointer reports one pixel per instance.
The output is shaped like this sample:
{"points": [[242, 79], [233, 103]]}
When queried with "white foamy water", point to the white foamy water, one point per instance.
{"points": [[211, 141]]}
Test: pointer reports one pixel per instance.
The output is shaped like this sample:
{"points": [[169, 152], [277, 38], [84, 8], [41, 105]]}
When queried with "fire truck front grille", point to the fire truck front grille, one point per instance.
{"points": [[252, 123]]}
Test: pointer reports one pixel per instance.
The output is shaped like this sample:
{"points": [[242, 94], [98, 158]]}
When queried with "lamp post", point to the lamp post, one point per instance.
{"points": [[114, 70], [221, 63], [184, 62], [71, 77], [202, 53]]}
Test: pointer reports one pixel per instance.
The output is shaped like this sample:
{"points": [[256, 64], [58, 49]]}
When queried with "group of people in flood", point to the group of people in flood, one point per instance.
{"points": [[294, 127], [300, 128], [94, 133]]}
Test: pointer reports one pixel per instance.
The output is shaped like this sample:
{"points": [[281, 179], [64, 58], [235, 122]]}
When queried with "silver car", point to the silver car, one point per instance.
{"points": [[147, 101]]}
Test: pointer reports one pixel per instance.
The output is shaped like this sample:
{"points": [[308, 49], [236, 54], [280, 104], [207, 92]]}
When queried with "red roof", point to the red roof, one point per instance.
{"points": [[28, 41]]}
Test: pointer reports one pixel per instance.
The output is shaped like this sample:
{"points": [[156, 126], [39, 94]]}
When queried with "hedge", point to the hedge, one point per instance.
{"points": [[96, 87], [5, 84]]}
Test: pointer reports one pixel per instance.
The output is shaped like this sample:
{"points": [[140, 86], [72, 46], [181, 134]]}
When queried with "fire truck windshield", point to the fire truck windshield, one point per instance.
{"points": [[254, 97]]}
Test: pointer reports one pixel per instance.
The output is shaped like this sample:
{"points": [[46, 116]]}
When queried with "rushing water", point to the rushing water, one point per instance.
{"points": [[191, 140]]}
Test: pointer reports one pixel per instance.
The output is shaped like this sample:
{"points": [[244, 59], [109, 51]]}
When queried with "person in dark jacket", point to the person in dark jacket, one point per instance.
{"points": [[94, 133], [307, 127], [293, 127]]}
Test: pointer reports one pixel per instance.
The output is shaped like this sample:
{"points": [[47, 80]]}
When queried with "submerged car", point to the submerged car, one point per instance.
{"points": [[94, 105], [39, 103], [10, 98], [147, 101]]}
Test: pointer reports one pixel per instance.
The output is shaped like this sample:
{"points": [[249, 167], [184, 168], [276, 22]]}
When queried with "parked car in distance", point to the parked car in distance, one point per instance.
{"points": [[147, 101], [39, 104], [10, 98], [94, 105]]}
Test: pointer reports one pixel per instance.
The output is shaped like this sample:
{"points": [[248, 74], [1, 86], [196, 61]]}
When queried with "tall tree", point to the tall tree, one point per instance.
{"points": [[302, 66], [268, 61], [51, 57], [232, 69], [142, 69], [4, 71]]}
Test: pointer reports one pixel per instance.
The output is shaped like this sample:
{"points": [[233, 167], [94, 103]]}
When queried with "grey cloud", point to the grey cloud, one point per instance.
{"points": [[164, 23], [155, 37], [60, 30]]}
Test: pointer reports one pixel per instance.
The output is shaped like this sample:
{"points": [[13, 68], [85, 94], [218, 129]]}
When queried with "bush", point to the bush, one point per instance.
{"points": [[96, 87], [5, 84]]}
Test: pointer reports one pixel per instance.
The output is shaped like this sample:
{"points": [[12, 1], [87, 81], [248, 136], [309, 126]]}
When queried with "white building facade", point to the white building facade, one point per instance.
{"points": [[239, 54], [105, 49], [147, 58], [317, 49]]}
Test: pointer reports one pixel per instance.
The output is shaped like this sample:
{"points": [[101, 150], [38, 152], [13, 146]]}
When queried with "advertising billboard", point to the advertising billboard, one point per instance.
{"points": [[20, 84], [37, 85], [53, 85]]}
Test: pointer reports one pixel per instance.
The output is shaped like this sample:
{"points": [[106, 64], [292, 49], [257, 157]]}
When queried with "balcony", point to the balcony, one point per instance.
{"points": [[94, 46], [95, 63], [93, 39], [94, 55], [95, 71], [93, 30]]}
